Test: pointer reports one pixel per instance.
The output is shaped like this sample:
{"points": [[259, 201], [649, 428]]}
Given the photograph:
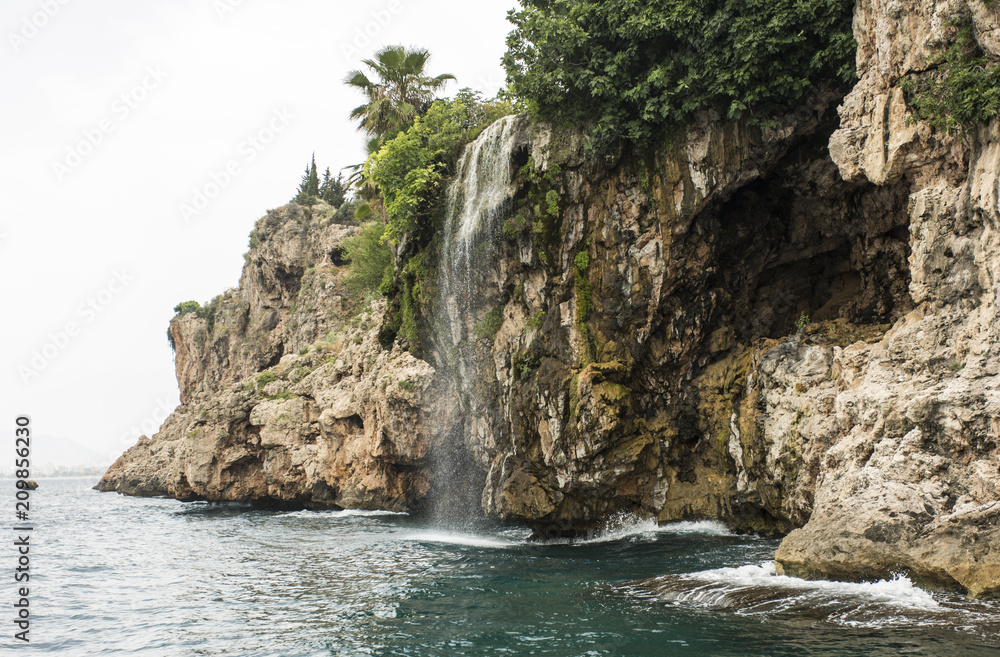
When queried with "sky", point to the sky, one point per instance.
{"points": [[139, 144]]}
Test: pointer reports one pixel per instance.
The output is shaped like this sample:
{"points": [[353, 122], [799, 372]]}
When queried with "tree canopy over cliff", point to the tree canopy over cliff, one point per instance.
{"points": [[635, 68]]}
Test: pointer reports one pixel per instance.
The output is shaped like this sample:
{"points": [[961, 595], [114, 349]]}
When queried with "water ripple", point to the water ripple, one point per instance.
{"points": [[115, 576]]}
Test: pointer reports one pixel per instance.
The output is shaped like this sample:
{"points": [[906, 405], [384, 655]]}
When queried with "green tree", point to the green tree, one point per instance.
{"points": [[309, 187], [369, 258], [636, 69], [333, 190], [399, 92]]}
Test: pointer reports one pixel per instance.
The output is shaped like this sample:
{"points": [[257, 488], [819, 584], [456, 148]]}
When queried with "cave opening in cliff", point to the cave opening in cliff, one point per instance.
{"points": [[801, 243], [279, 351], [289, 280], [338, 257]]}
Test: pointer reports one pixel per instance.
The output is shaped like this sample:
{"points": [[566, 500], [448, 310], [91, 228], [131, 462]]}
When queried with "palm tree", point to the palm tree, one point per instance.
{"points": [[400, 92], [366, 188]]}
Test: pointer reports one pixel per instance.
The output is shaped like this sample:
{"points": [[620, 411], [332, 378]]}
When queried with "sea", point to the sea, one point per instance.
{"points": [[113, 575]]}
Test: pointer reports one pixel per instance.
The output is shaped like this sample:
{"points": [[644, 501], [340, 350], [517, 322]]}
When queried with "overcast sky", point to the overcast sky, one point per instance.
{"points": [[115, 115]]}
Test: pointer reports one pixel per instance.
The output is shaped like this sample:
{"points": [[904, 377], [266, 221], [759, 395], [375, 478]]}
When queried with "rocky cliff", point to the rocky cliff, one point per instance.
{"points": [[912, 480], [287, 398], [791, 329]]}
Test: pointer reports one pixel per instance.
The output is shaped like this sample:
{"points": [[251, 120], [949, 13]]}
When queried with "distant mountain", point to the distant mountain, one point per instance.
{"points": [[52, 455]]}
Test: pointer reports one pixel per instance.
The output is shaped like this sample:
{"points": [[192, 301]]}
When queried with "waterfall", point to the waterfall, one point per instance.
{"points": [[477, 203], [477, 199]]}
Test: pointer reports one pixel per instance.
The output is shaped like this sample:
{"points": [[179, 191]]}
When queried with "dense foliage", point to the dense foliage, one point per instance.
{"points": [[963, 90], [403, 181], [636, 68], [410, 168], [414, 145]]}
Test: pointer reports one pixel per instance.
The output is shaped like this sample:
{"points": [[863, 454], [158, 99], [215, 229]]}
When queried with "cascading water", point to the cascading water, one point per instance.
{"points": [[477, 203]]}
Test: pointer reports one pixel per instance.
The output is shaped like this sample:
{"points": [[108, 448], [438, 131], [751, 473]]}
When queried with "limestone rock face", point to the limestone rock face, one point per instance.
{"points": [[911, 482], [639, 366], [287, 400]]}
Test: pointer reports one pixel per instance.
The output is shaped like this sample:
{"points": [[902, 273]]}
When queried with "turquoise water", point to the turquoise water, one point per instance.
{"points": [[125, 576]]}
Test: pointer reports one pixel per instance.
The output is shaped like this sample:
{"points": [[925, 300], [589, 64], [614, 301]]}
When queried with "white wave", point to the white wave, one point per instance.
{"points": [[897, 591], [367, 513], [622, 529], [757, 589], [454, 538], [704, 527], [345, 513], [632, 527]]}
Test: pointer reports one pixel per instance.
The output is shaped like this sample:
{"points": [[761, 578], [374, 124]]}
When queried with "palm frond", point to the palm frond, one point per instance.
{"points": [[358, 79], [400, 91]]}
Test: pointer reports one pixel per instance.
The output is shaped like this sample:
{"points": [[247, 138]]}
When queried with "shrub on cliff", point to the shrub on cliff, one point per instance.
{"points": [[962, 89], [187, 307], [206, 312], [369, 257], [636, 68], [409, 169]]}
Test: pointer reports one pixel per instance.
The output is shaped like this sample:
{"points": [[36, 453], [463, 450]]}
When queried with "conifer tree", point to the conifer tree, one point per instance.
{"points": [[309, 187], [312, 186], [333, 190]]}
